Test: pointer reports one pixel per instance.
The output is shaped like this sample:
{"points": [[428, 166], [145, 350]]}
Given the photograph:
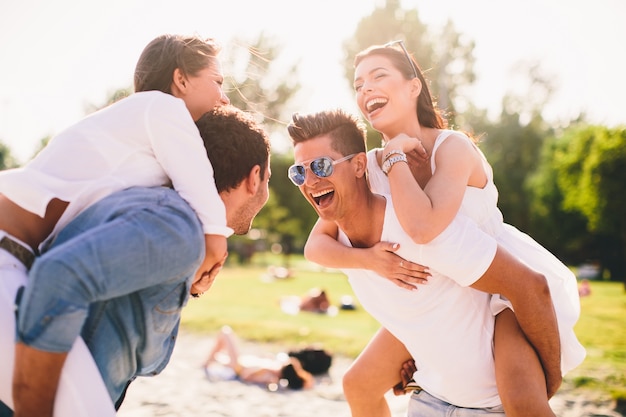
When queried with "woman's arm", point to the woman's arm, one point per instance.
{"points": [[323, 248], [180, 151], [425, 213]]}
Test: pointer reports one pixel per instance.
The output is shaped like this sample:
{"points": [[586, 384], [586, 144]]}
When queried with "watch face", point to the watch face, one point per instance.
{"points": [[392, 160], [386, 165]]}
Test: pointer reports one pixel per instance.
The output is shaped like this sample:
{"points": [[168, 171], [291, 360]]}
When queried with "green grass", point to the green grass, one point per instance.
{"points": [[602, 330], [247, 300]]}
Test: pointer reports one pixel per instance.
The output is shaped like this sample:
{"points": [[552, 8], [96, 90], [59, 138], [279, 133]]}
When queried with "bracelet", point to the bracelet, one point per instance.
{"points": [[393, 152], [389, 162]]}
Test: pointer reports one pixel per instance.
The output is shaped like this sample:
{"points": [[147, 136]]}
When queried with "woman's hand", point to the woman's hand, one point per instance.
{"points": [[406, 144], [406, 377], [403, 273], [204, 278]]}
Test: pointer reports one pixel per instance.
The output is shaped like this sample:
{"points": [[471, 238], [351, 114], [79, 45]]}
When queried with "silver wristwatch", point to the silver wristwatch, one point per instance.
{"points": [[389, 162]]}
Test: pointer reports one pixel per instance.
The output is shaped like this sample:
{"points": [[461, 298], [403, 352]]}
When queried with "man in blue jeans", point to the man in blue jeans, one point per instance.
{"points": [[119, 274]]}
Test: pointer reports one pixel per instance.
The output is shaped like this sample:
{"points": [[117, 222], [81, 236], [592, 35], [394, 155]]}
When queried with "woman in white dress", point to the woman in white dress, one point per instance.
{"points": [[433, 174]]}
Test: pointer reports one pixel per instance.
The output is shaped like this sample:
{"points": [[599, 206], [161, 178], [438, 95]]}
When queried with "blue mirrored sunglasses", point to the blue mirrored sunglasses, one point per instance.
{"points": [[322, 167]]}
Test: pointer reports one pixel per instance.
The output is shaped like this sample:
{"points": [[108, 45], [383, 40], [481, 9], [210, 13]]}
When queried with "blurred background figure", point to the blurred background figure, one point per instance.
{"points": [[584, 289], [225, 362]]}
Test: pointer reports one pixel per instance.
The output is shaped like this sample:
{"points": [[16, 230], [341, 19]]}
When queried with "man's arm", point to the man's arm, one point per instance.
{"points": [[530, 297], [35, 381], [323, 248]]}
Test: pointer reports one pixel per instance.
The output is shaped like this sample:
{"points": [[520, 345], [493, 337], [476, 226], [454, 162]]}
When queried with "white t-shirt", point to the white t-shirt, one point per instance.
{"points": [[147, 139], [445, 325]]}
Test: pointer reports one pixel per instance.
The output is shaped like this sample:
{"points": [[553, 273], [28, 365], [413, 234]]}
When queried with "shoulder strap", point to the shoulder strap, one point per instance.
{"points": [[440, 139]]}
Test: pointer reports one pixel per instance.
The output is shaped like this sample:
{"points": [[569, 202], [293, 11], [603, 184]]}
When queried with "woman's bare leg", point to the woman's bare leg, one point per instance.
{"points": [[519, 375], [373, 373], [225, 341]]}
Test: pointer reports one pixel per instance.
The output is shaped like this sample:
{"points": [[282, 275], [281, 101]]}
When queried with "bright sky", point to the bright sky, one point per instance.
{"points": [[57, 56]]}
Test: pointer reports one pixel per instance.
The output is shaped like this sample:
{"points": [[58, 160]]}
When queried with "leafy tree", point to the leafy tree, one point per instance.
{"points": [[590, 162], [574, 195], [563, 232]]}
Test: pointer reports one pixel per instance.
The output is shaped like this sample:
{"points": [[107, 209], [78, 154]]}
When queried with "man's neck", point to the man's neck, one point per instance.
{"points": [[364, 225]]}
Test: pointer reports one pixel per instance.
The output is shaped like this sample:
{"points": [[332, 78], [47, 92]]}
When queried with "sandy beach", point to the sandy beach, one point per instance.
{"points": [[183, 389]]}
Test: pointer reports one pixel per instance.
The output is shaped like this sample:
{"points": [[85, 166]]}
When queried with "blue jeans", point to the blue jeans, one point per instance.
{"points": [[422, 404], [118, 275]]}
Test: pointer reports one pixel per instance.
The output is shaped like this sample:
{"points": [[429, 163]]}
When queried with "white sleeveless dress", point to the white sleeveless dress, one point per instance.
{"points": [[480, 205]]}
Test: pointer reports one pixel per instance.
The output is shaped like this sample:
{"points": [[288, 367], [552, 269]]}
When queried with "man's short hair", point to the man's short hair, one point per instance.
{"points": [[347, 132], [235, 142]]}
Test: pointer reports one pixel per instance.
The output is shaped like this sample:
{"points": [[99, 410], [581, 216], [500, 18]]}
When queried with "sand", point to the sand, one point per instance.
{"points": [[183, 389]]}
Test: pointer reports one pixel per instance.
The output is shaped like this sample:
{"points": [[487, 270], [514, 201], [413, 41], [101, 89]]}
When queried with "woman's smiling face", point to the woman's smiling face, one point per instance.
{"points": [[383, 94]]}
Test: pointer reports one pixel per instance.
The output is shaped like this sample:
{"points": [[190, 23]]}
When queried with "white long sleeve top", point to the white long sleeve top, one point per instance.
{"points": [[147, 139]]}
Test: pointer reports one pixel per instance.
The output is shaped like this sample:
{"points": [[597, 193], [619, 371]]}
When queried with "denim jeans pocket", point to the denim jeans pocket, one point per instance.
{"points": [[166, 313]]}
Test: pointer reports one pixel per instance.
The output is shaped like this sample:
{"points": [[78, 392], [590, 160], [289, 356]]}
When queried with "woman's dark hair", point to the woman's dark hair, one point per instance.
{"points": [[427, 113], [159, 59], [314, 361], [294, 381]]}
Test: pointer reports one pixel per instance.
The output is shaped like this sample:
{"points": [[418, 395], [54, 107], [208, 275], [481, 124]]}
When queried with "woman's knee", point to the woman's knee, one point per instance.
{"points": [[351, 380], [360, 381], [355, 381]]}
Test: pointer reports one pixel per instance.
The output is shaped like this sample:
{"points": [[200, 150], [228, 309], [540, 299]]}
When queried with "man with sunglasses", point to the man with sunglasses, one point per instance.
{"points": [[447, 326]]}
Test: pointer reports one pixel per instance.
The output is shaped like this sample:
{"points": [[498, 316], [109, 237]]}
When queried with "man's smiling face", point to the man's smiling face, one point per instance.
{"points": [[326, 195]]}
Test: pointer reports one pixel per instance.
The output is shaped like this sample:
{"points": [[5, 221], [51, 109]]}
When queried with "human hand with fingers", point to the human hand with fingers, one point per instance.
{"points": [[407, 144], [204, 279], [406, 384], [398, 270]]}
